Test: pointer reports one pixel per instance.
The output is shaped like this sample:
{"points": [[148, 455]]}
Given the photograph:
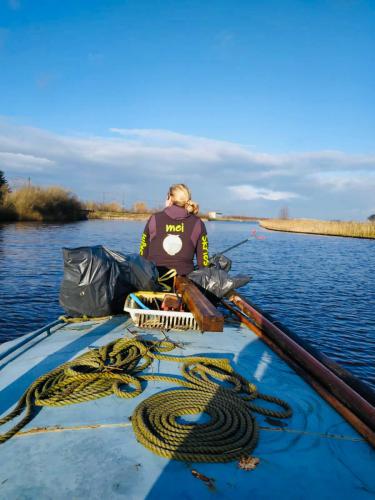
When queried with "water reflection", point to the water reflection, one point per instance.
{"points": [[320, 287], [1, 239]]}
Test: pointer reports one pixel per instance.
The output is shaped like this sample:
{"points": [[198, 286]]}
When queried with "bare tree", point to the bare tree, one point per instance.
{"points": [[284, 212], [140, 207]]}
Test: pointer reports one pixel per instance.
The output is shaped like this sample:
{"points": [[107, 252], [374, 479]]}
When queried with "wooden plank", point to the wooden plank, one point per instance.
{"points": [[345, 412], [352, 406], [207, 316], [359, 387]]}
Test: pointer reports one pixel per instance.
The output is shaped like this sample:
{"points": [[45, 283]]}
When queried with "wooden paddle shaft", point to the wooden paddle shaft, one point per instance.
{"points": [[360, 427], [320, 373]]}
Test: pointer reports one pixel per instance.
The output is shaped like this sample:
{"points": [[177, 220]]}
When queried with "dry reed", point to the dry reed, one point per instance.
{"points": [[32, 203], [331, 228], [114, 210], [112, 206]]}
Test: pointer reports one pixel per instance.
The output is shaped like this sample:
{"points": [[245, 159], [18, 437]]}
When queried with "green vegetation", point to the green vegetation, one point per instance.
{"points": [[4, 188], [331, 228], [7, 211], [32, 203]]}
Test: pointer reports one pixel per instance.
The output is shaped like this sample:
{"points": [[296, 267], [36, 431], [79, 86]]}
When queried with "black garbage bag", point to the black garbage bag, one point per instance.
{"points": [[220, 261], [217, 281], [97, 280]]}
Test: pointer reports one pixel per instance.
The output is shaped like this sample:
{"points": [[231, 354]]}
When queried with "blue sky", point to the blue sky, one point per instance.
{"points": [[255, 104]]}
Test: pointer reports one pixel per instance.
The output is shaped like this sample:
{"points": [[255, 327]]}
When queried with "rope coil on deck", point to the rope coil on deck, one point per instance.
{"points": [[209, 385]]}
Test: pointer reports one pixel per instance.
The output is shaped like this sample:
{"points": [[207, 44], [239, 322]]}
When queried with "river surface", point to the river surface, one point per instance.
{"points": [[320, 287]]}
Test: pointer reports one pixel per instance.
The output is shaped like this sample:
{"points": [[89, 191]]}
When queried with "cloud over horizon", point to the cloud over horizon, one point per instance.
{"points": [[248, 192], [139, 164]]}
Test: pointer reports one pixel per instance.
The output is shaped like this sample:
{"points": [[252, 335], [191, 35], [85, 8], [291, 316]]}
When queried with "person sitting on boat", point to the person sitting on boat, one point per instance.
{"points": [[172, 237]]}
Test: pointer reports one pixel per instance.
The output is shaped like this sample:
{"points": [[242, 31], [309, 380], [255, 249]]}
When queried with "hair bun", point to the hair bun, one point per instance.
{"points": [[192, 207], [180, 195]]}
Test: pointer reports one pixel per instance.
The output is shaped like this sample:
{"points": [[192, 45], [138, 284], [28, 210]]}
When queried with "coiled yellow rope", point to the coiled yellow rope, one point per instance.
{"points": [[210, 385]]}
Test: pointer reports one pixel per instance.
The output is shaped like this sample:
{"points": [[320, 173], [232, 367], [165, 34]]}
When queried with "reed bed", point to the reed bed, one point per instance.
{"points": [[48, 204], [106, 214], [331, 228], [111, 207]]}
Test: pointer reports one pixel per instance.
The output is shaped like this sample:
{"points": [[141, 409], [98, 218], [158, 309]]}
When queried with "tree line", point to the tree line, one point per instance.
{"points": [[53, 204], [34, 203]]}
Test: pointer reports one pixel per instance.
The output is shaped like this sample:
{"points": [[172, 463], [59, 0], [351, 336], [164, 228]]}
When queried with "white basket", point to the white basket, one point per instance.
{"points": [[153, 318]]}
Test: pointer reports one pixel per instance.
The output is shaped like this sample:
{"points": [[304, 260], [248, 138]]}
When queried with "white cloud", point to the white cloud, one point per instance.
{"points": [[143, 161], [344, 179], [247, 192], [23, 163]]}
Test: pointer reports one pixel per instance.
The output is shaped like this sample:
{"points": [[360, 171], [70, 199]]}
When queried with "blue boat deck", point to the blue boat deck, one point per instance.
{"points": [[89, 450]]}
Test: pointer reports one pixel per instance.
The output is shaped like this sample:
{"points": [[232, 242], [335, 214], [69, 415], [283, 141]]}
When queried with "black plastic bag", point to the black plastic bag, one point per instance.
{"points": [[97, 280], [220, 261], [141, 273], [217, 281]]}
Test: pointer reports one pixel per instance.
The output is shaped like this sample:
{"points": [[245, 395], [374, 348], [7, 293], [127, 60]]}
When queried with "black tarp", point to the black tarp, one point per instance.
{"points": [[97, 280], [217, 281], [220, 261]]}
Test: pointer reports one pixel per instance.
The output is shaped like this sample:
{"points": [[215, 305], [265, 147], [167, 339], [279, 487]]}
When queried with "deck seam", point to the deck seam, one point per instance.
{"points": [[47, 430], [316, 434]]}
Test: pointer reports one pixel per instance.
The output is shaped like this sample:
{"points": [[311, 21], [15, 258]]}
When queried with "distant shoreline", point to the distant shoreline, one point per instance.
{"points": [[365, 230], [117, 215], [144, 216]]}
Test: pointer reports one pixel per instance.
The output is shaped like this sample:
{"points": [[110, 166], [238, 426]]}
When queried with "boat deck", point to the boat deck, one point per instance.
{"points": [[89, 449]]}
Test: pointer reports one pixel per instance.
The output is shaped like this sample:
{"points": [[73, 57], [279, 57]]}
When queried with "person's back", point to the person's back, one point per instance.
{"points": [[172, 237]]}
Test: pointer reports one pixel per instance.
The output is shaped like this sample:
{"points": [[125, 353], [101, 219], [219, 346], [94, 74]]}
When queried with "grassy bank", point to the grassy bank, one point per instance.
{"points": [[110, 215], [99, 213], [331, 228], [232, 218], [32, 203]]}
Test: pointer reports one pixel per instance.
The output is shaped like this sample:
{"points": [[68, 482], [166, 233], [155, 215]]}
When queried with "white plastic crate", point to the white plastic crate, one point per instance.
{"points": [[158, 319]]}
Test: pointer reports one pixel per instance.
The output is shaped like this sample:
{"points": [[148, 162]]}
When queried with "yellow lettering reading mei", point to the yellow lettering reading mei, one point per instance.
{"points": [[174, 228]]}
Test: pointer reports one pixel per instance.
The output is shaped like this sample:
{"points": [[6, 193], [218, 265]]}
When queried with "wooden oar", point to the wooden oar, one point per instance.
{"points": [[357, 410]]}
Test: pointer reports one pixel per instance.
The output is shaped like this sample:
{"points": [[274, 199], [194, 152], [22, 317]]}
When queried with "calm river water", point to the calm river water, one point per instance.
{"points": [[322, 288]]}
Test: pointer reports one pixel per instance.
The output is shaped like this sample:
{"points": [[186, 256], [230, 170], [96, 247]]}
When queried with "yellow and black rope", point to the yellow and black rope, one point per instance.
{"points": [[209, 385]]}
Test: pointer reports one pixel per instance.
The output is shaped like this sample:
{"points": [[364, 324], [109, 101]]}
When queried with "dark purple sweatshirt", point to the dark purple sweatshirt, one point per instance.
{"points": [[172, 237]]}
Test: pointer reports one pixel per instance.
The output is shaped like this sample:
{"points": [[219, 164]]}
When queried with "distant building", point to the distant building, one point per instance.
{"points": [[214, 215]]}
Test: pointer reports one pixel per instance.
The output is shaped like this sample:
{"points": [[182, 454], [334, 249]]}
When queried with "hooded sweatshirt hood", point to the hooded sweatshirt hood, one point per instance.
{"points": [[176, 212]]}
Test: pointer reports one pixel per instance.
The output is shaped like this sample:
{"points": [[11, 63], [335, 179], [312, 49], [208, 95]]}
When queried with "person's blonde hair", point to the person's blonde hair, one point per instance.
{"points": [[181, 196]]}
